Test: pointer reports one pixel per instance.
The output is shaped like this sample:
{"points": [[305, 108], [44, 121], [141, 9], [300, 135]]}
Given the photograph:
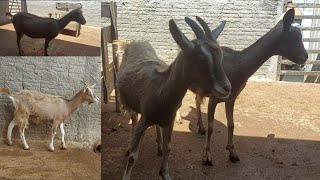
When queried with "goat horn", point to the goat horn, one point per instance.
{"points": [[205, 27], [195, 27], [217, 31]]}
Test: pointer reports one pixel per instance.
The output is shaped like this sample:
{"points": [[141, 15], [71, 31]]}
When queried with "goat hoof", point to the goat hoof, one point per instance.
{"points": [[207, 162], [234, 159], [164, 176], [9, 143], [64, 147], [159, 153], [26, 148], [21, 53], [202, 131], [51, 149], [127, 153]]}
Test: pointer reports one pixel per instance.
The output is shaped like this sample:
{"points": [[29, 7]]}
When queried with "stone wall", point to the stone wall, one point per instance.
{"points": [[57, 76]]}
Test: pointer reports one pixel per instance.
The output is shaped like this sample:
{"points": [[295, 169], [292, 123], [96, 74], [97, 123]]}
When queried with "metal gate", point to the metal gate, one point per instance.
{"points": [[309, 23]]}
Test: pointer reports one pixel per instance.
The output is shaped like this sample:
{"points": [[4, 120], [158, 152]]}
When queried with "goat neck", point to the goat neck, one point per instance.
{"points": [[255, 55], [76, 101], [65, 20], [175, 84]]}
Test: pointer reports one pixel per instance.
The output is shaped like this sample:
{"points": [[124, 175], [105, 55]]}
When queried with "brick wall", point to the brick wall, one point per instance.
{"points": [[247, 20], [57, 76]]}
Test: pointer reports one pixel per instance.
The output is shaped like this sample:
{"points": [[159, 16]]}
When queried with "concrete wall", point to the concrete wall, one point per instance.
{"points": [[57, 76], [247, 20], [91, 9]]}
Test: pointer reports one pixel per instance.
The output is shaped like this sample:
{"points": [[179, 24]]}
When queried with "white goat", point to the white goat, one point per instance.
{"points": [[44, 108]]}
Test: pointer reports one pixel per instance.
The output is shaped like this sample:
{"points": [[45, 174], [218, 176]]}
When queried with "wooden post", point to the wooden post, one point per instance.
{"points": [[105, 63], [114, 34]]}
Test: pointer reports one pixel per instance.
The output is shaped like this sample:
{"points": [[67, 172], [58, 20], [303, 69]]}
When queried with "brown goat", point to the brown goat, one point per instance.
{"points": [[44, 108], [150, 87]]}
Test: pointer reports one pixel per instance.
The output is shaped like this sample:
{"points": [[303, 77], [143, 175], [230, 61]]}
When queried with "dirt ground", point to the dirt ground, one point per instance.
{"points": [[86, 44], [277, 136], [39, 163]]}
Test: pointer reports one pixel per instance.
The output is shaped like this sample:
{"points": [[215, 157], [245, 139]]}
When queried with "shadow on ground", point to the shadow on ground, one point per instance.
{"points": [[57, 47], [269, 154]]}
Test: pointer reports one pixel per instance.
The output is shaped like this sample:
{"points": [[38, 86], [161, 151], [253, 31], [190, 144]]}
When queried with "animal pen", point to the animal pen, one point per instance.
{"points": [[276, 136], [308, 21]]}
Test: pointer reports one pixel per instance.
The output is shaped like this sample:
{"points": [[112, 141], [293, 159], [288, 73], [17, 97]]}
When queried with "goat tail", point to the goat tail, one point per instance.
{"points": [[9, 14], [5, 91]]}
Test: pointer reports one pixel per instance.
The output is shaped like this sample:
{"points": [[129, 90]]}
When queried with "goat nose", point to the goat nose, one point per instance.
{"points": [[306, 55]]}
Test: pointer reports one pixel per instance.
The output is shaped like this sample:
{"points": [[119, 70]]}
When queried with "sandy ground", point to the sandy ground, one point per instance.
{"points": [[86, 44], [39, 163], [277, 136]]}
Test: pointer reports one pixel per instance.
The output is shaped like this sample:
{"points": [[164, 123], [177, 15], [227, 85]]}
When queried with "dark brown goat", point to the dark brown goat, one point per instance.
{"points": [[40, 27], [239, 66], [150, 87]]}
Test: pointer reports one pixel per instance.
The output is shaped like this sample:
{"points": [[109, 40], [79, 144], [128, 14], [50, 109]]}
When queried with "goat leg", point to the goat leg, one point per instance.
{"points": [[178, 118], [63, 143], [134, 120], [135, 143], [206, 159], [9, 132], [23, 138], [166, 133], [19, 36], [159, 140], [201, 129], [53, 133], [46, 44], [230, 146]]}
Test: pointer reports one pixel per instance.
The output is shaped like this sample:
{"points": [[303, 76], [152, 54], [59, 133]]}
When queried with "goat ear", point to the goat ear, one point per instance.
{"points": [[217, 31], [179, 37], [288, 20]]}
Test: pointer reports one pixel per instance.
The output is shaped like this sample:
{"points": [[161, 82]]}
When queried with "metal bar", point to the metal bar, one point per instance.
{"points": [[307, 62], [303, 5], [296, 73], [311, 39], [307, 16], [313, 51], [310, 28]]}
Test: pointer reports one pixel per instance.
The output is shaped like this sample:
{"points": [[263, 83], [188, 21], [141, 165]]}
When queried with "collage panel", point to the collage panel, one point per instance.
{"points": [[51, 28], [213, 89], [50, 89], [46, 98]]}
